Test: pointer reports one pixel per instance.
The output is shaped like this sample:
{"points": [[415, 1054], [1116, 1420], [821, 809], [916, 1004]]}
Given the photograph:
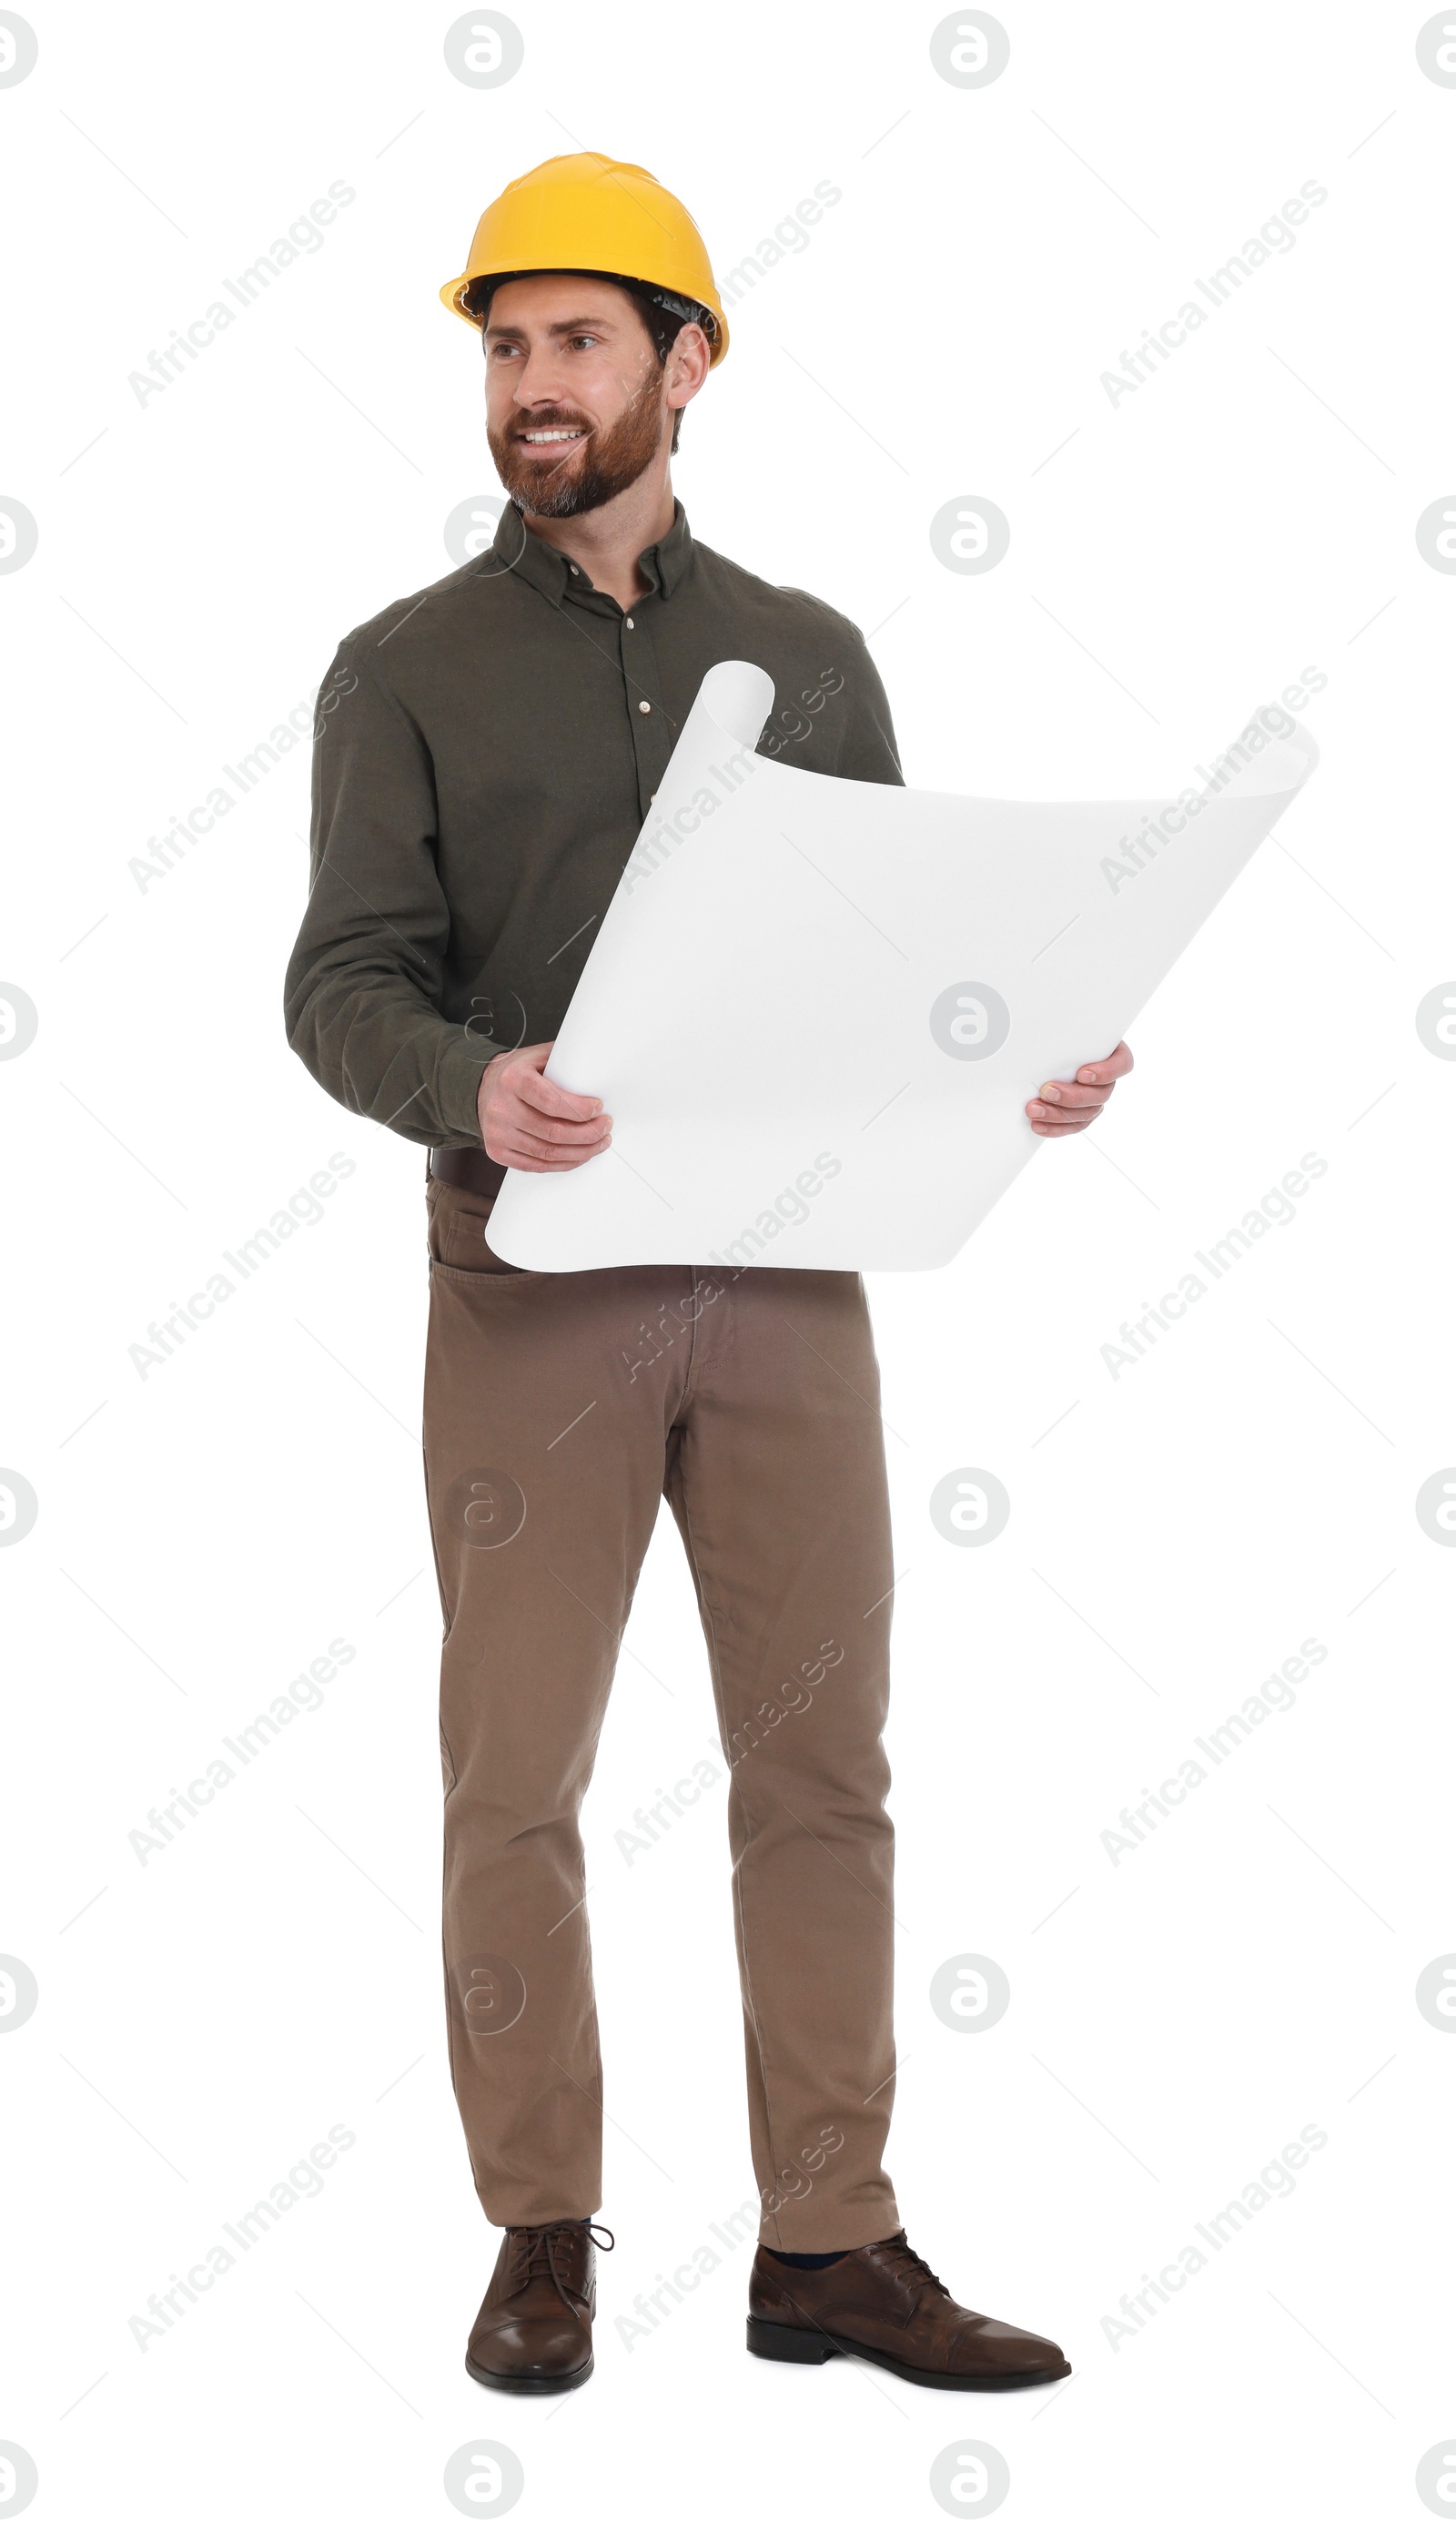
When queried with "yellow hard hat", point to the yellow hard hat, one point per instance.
{"points": [[587, 213]]}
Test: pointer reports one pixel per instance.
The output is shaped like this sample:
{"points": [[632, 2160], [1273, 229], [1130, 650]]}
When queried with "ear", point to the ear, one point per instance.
{"points": [[688, 365]]}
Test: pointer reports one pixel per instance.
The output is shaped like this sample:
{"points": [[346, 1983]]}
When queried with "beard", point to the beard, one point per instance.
{"points": [[610, 465]]}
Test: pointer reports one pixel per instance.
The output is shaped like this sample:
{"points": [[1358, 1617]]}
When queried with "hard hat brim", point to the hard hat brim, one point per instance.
{"points": [[452, 296]]}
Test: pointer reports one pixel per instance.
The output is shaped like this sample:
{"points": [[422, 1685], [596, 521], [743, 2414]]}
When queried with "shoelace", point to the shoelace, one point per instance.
{"points": [[536, 2254], [910, 2266]]}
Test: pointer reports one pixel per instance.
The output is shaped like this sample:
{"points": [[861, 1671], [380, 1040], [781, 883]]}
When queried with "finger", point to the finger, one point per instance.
{"points": [[1112, 1067], [508, 1115], [1054, 1129], [530, 1083], [553, 1142], [1042, 1112], [1071, 1093], [523, 1153], [542, 1153]]}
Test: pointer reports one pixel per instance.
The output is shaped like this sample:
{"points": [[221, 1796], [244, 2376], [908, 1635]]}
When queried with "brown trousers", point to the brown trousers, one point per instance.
{"points": [[559, 1409]]}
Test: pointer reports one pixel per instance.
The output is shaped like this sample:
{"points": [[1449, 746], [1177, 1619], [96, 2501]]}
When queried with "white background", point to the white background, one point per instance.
{"points": [[1175, 1532]]}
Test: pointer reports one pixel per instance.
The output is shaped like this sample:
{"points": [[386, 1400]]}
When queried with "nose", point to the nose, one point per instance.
{"points": [[539, 378]]}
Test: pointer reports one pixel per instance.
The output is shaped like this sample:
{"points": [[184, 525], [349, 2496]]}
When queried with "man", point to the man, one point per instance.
{"points": [[486, 752]]}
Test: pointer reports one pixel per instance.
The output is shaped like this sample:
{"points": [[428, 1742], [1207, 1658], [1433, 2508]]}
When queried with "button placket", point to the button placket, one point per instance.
{"points": [[651, 735]]}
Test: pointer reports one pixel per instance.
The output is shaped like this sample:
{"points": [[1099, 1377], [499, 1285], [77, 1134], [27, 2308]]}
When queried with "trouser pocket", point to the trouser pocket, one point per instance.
{"points": [[458, 1226]]}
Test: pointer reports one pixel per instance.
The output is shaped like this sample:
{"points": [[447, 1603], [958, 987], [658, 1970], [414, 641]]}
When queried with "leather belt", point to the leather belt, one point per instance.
{"points": [[470, 1168]]}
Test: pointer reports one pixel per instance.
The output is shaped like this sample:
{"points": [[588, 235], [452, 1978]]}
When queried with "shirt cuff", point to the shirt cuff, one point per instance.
{"points": [[463, 1059]]}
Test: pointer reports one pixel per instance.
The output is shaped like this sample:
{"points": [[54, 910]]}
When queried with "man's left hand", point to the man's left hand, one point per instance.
{"points": [[1069, 1106]]}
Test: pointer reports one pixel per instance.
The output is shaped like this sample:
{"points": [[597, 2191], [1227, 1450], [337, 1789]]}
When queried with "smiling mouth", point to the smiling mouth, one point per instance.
{"points": [[553, 438]]}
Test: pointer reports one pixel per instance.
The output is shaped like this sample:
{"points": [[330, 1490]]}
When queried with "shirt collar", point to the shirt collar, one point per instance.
{"points": [[663, 566], [666, 564]]}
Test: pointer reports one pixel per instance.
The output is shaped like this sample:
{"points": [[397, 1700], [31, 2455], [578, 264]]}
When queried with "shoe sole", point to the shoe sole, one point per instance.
{"points": [[782, 2345], [529, 2384]]}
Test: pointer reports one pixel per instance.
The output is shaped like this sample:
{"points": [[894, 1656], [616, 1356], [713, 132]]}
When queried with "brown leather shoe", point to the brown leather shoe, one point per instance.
{"points": [[534, 2330], [884, 2303]]}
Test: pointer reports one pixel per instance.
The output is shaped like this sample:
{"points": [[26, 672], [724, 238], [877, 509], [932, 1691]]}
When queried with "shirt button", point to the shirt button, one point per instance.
{"points": [[576, 575], [644, 707], [630, 625]]}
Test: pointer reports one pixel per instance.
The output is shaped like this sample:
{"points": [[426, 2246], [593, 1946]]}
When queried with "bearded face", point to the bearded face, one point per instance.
{"points": [[556, 462]]}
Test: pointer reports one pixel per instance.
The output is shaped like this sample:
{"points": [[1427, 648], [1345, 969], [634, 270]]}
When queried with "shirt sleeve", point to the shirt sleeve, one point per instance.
{"points": [[870, 753], [362, 992]]}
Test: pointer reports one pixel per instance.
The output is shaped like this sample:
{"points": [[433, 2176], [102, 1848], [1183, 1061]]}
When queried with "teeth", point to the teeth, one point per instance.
{"points": [[539, 437]]}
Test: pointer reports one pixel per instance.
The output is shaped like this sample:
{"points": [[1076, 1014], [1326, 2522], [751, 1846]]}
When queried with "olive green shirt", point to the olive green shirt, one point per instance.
{"points": [[486, 754]]}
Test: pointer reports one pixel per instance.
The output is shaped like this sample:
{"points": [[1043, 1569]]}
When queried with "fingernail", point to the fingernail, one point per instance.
{"points": [[1051, 1093]]}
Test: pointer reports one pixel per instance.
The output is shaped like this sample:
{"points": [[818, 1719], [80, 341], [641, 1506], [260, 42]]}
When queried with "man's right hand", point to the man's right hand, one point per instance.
{"points": [[528, 1123]]}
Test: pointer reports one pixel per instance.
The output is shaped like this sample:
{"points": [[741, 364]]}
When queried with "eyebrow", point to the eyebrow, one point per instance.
{"points": [[569, 325]]}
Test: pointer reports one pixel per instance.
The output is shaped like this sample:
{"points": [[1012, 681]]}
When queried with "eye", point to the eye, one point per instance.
{"points": [[585, 342]]}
